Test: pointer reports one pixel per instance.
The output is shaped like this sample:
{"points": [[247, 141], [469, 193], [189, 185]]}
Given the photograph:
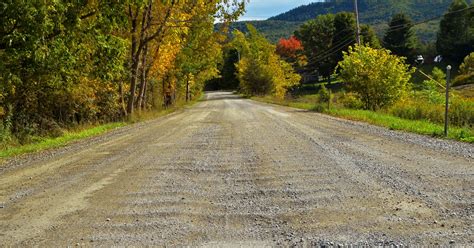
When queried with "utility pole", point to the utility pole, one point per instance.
{"points": [[446, 111], [356, 10]]}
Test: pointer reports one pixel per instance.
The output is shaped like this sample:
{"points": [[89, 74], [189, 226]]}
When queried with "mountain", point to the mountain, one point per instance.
{"points": [[370, 11], [374, 12]]}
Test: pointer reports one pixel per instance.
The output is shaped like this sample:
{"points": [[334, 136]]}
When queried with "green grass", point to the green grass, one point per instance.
{"points": [[381, 119], [44, 143], [48, 143]]}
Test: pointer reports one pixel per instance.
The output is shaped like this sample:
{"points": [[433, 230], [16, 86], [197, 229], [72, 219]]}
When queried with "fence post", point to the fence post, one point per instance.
{"points": [[446, 111]]}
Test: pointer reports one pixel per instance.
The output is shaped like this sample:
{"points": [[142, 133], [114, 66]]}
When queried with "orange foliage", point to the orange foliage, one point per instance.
{"points": [[289, 48]]}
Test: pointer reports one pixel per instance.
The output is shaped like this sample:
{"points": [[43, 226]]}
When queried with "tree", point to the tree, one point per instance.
{"points": [[344, 34], [324, 40], [400, 38], [229, 69], [317, 37], [289, 49], [52, 50], [369, 37], [453, 40], [261, 71], [68, 62], [377, 76], [151, 22]]}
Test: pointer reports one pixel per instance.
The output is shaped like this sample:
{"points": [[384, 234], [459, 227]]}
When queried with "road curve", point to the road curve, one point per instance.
{"points": [[234, 172]]}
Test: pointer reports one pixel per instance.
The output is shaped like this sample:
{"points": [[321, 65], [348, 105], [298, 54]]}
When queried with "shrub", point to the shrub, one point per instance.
{"points": [[461, 111], [352, 101], [324, 94], [377, 76], [467, 67], [466, 71], [464, 79]]}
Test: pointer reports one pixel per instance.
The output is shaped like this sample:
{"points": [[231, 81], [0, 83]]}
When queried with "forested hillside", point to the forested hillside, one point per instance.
{"points": [[373, 12]]}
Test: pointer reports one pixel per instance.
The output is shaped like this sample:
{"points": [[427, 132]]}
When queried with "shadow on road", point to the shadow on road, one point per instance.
{"points": [[221, 95]]}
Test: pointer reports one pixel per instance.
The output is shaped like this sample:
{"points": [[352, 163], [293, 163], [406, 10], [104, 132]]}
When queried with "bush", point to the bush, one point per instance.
{"points": [[466, 71], [377, 76], [461, 112], [324, 94], [352, 101], [464, 80], [467, 67]]}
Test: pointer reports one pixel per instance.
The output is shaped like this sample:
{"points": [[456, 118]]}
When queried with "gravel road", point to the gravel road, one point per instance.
{"points": [[234, 172]]}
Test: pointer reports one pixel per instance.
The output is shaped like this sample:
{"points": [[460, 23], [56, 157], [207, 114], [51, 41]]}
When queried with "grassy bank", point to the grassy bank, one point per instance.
{"points": [[43, 143], [48, 143], [380, 119]]}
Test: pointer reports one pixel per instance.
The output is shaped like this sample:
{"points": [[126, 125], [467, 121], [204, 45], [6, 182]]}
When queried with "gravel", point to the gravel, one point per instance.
{"points": [[236, 173]]}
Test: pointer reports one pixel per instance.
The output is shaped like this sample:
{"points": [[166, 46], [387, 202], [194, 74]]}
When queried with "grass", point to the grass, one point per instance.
{"points": [[68, 137], [45, 143], [381, 119]]}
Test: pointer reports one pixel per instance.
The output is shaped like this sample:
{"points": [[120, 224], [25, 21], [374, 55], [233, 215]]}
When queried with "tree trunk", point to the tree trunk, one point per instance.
{"points": [[135, 58], [122, 99], [143, 106], [143, 75], [187, 89], [133, 83]]}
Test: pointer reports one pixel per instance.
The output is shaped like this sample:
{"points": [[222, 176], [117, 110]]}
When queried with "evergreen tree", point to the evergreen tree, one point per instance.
{"points": [[229, 79], [454, 41], [400, 38]]}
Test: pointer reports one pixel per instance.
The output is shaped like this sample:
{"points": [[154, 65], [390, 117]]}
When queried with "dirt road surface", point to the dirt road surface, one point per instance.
{"points": [[234, 172]]}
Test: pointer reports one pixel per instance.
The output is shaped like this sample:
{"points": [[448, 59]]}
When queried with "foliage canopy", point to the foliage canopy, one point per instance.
{"points": [[377, 76]]}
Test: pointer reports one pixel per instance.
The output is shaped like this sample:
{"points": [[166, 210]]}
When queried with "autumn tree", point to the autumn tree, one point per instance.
{"points": [[261, 71], [60, 64], [289, 49], [151, 22], [67, 63], [376, 75]]}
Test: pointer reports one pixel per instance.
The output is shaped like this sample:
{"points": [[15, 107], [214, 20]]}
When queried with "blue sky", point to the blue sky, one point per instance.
{"points": [[263, 9]]}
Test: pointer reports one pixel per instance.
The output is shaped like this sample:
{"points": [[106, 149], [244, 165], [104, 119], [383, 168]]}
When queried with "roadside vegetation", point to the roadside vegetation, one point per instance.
{"points": [[69, 66], [11, 147], [383, 81]]}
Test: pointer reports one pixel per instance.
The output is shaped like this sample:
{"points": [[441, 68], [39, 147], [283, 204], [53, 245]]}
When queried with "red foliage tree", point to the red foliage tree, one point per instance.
{"points": [[289, 48]]}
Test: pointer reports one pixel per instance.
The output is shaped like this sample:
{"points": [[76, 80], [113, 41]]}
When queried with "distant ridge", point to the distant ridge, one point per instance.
{"points": [[371, 11], [374, 12]]}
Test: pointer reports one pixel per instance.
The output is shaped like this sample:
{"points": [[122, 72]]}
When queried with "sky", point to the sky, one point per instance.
{"points": [[263, 9]]}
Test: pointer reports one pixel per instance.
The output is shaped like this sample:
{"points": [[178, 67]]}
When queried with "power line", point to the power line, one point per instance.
{"points": [[350, 39], [336, 46], [332, 51]]}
